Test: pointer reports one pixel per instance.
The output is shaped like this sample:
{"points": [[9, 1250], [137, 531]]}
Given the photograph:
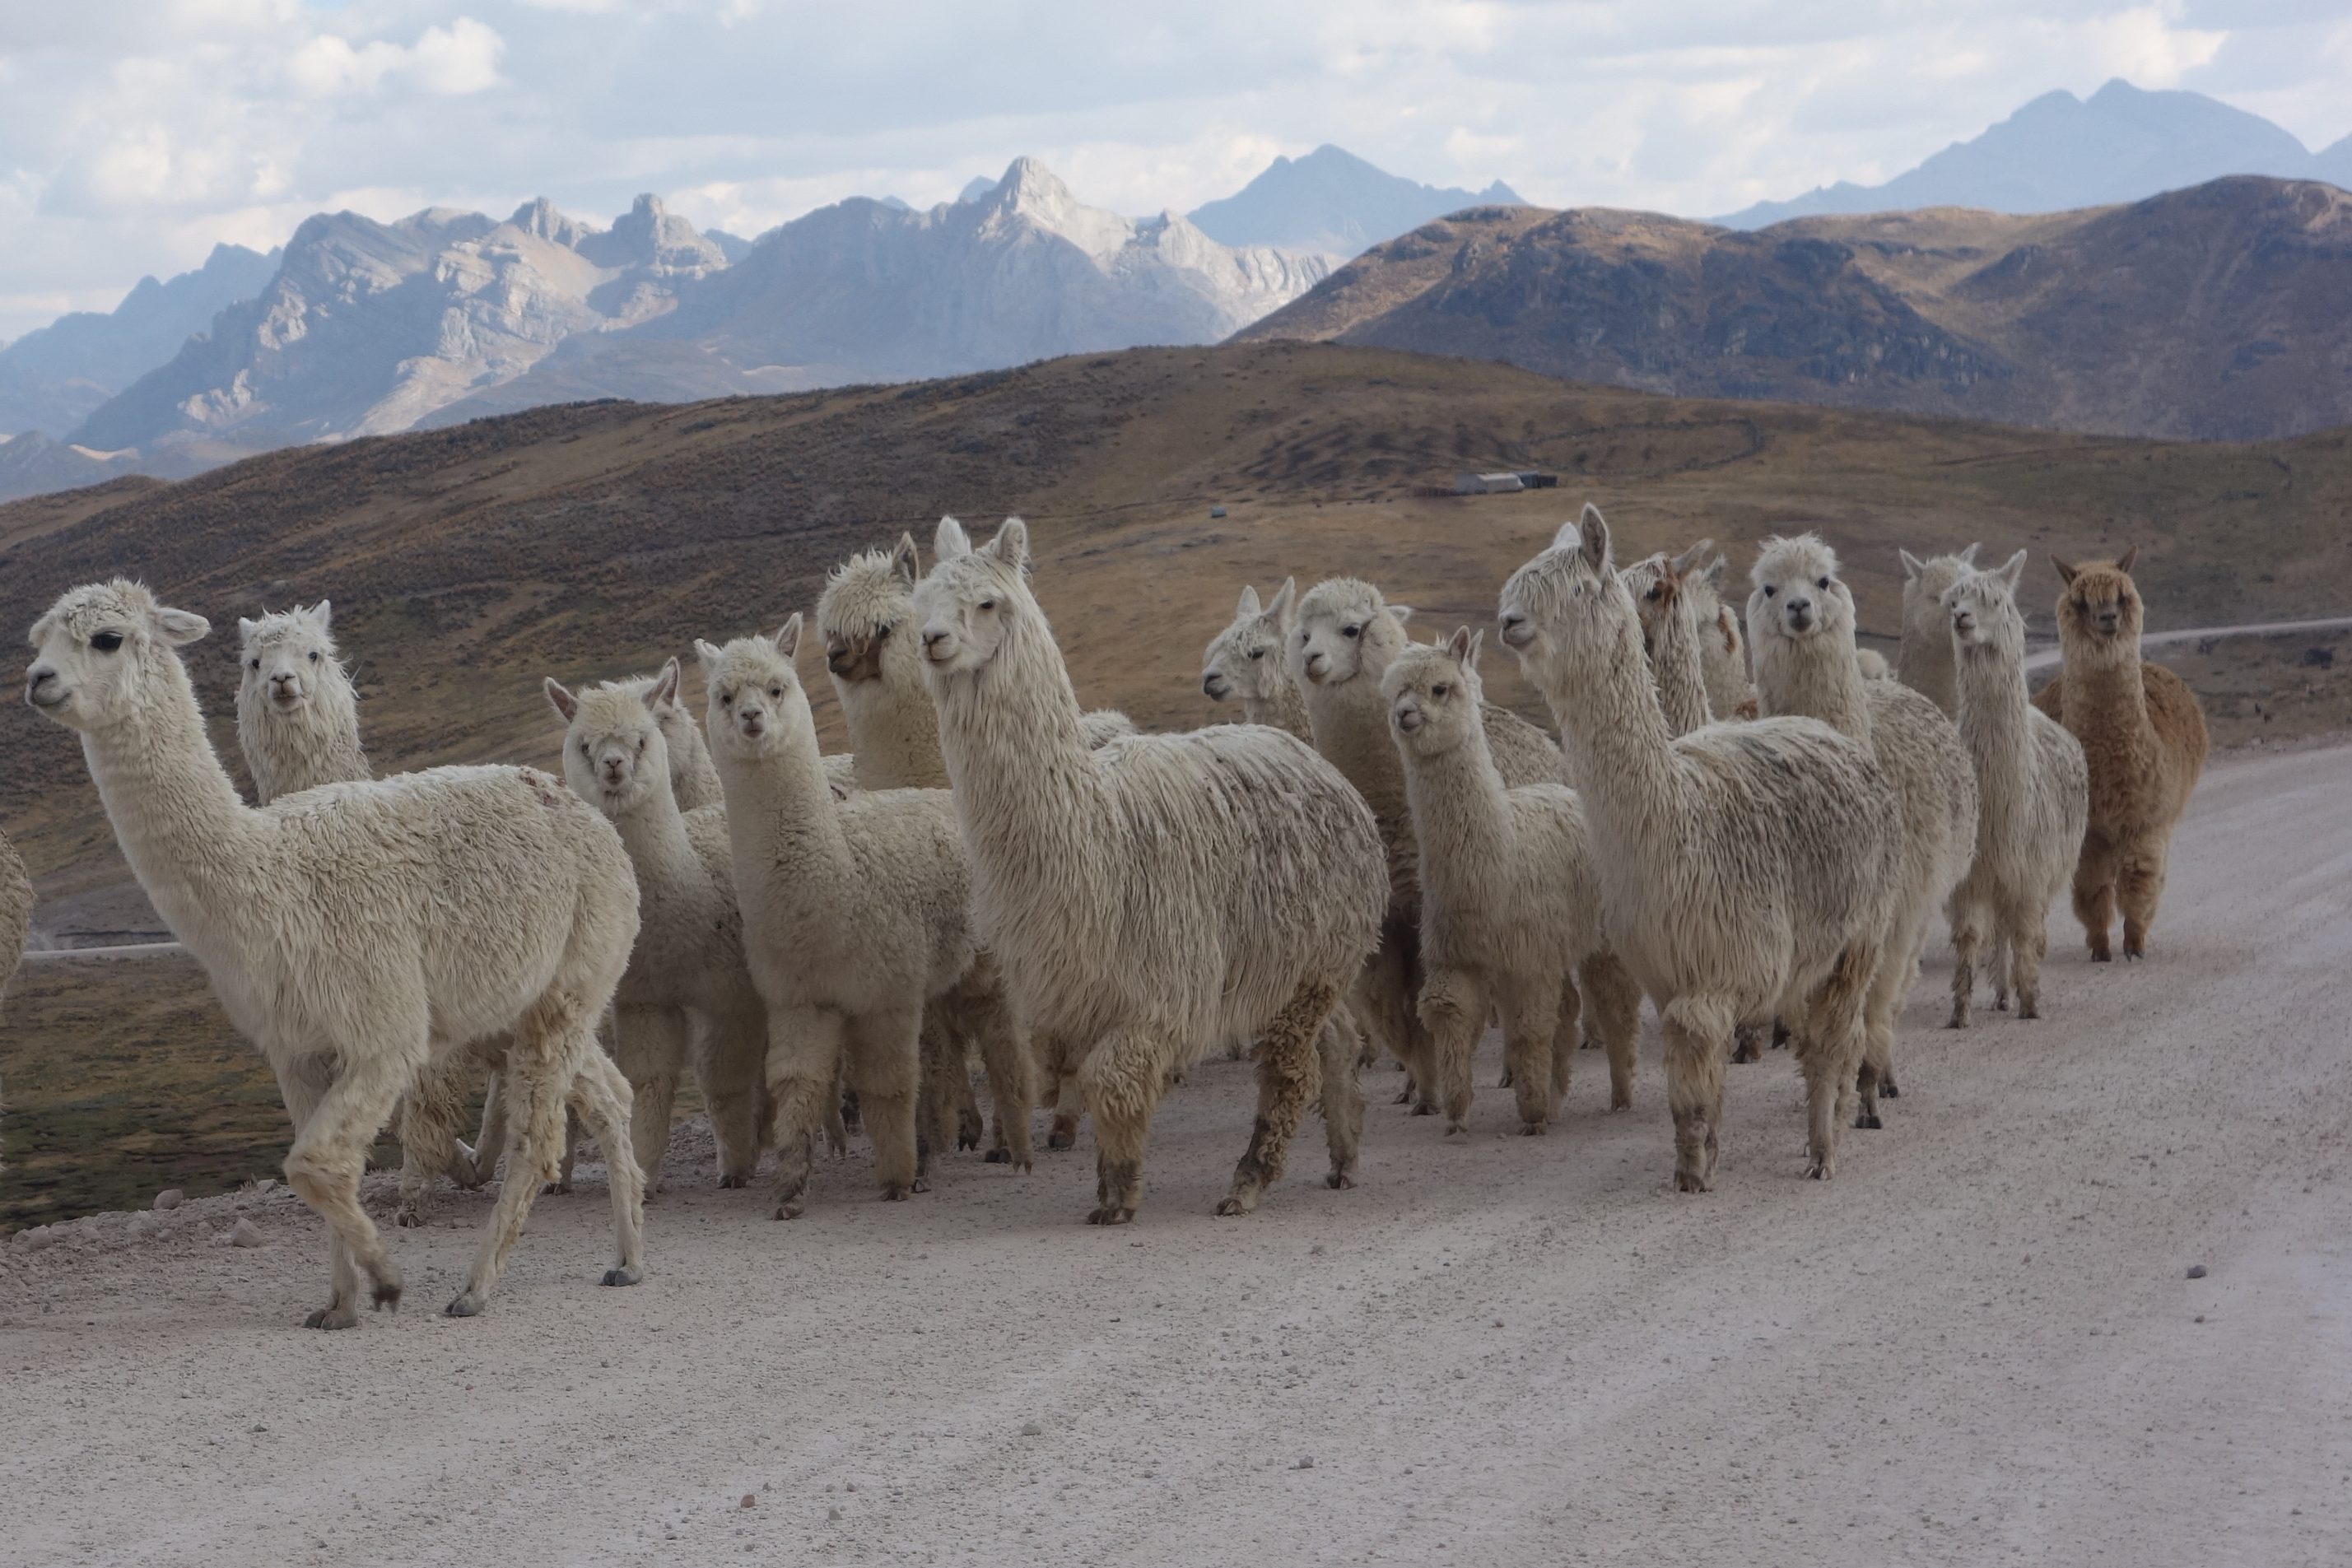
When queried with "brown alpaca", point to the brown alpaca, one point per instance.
{"points": [[2143, 735]]}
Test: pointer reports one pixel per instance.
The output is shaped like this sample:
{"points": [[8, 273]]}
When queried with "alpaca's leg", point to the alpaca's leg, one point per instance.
{"points": [[1341, 1051], [1881, 1006], [1122, 1078], [1612, 1009], [1571, 1023], [1452, 1010], [2139, 884], [1697, 1034], [970, 1128], [1830, 1051], [935, 1105], [1968, 929], [805, 1064], [324, 1164], [429, 1116], [492, 1140], [542, 1066], [2026, 934], [885, 1059], [1530, 1010], [304, 1082], [600, 1095], [1004, 1051], [1424, 1049], [730, 1053], [2003, 966], [650, 1045], [1287, 1068], [2095, 892]]}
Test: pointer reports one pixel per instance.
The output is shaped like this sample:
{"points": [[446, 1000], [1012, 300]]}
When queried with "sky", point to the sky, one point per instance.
{"points": [[136, 134]]}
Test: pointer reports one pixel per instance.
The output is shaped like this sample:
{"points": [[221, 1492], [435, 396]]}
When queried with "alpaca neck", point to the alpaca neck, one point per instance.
{"points": [[1461, 819], [894, 732], [188, 838], [1620, 750], [781, 813], [2106, 692], [1813, 677], [1721, 662], [1924, 662], [1284, 708], [1351, 728], [694, 780], [318, 743], [1995, 723], [1682, 681], [653, 832]]}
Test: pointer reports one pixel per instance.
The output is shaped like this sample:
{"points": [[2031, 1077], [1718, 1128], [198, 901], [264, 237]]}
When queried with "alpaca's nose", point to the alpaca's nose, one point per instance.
{"points": [[1800, 614], [1517, 631], [1318, 665], [752, 719], [837, 660], [1213, 684], [931, 640], [36, 681], [1408, 718]]}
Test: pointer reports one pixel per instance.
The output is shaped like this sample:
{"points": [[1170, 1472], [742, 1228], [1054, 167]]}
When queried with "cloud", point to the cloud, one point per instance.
{"points": [[462, 57]]}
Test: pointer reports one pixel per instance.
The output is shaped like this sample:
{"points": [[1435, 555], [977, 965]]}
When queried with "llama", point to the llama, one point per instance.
{"points": [[1923, 661], [1246, 662], [358, 931], [1745, 869], [1510, 902], [1670, 639], [1153, 898], [686, 984], [1801, 624], [1342, 641], [2033, 792], [2142, 733], [1724, 655], [856, 917]]}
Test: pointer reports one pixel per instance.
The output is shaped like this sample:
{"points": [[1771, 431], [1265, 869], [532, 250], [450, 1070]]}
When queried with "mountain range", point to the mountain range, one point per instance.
{"points": [[1334, 203], [2059, 152], [2215, 312]]}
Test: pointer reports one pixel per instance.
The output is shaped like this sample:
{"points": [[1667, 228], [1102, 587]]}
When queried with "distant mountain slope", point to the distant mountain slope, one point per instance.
{"points": [[2059, 152], [2215, 313], [864, 291], [1333, 202], [51, 378], [368, 327]]}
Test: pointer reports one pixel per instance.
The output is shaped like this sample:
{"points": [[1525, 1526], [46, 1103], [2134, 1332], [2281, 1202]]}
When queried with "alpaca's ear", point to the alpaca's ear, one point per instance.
{"points": [[950, 541], [1400, 614], [1690, 557], [246, 627], [566, 703], [1010, 544], [2012, 570], [1969, 556], [664, 689], [1284, 602], [2124, 562], [2065, 571], [707, 653], [1592, 537], [1911, 564], [788, 641], [905, 561], [323, 613], [1463, 647], [1249, 605], [181, 627], [1717, 571]]}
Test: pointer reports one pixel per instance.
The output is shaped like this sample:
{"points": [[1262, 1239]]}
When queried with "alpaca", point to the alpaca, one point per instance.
{"points": [[16, 913], [1723, 654], [1924, 659], [1801, 622], [1247, 661], [1150, 899], [2033, 789], [1874, 665], [357, 931], [686, 983], [2142, 733], [1510, 902], [856, 915], [1670, 639], [1745, 869], [1342, 641]]}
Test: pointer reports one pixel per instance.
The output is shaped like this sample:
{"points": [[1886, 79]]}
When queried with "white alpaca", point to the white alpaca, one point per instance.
{"points": [[2033, 789], [356, 932], [687, 993], [1873, 664], [16, 912], [856, 915], [1801, 625], [1247, 662], [1924, 661], [1745, 869], [1723, 654], [1510, 899], [1155, 897], [1664, 599]]}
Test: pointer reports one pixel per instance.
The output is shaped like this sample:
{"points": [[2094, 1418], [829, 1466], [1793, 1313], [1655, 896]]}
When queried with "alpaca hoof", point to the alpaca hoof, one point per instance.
{"points": [[2099, 958], [920, 1184], [1236, 1203], [1061, 1140], [467, 1305], [408, 1218], [1621, 1102], [2029, 1010], [386, 1296], [2000, 1004], [1025, 1167], [1868, 1120], [332, 1317], [1404, 1096], [997, 1157], [1886, 1090], [1340, 1181], [1818, 1170], [1423, 1108], [620, 1276], [1505, 1081], [965, 1142], [1534, 1129], [1587, 1043], [894, 1194], [1691, 1181], [1109, 1214], [1457, 1129], [789, 1208], [555, 1188], [1957, 1020], [729, 1183]]}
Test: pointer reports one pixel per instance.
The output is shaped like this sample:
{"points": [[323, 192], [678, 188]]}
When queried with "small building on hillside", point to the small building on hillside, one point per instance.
{"points": [[1487, 484], [1531, 479]]}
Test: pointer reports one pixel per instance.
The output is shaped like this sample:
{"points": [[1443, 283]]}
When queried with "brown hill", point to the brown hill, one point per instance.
{"points": [[2211, 313], [590, 539]]}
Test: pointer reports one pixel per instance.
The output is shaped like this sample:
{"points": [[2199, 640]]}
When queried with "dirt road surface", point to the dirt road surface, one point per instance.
{"points": [[1978, 1346]]}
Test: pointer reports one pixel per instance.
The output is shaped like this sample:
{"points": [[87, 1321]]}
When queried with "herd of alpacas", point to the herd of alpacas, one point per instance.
{"points": [[1754, 825]]}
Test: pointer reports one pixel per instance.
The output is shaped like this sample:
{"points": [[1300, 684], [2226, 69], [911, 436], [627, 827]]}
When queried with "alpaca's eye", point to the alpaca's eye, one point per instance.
{"points": [[1770, 590], [1653, 596], [1822, 584], [883, 630], [775, 691], [1440, 689], [988, 604], [106, 642], [726, 699], [256, 663], [1257, 653], [1350, 631], [314, 656], [641, 743]]}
